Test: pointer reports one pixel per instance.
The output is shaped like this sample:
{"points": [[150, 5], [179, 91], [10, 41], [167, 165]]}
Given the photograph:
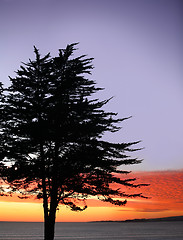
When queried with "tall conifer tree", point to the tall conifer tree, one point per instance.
{"points": [[51, 137]]}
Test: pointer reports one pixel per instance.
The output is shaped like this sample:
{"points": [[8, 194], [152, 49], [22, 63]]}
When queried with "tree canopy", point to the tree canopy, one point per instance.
{"points": [[51, 136]]}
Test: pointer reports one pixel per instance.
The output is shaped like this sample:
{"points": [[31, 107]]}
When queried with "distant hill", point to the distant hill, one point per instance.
{"points": [[165, 219]]}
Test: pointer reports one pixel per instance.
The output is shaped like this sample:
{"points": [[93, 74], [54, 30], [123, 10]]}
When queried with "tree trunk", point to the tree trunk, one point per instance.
{"points": [[50, 211], [50, 215], [49, 227]]}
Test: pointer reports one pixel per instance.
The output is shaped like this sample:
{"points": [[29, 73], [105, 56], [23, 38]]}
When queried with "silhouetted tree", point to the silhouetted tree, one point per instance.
{"points": [[51, 137]]}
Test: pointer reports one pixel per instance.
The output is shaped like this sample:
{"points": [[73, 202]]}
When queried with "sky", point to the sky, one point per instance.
{"points": [[165, 200], [138, 55]]}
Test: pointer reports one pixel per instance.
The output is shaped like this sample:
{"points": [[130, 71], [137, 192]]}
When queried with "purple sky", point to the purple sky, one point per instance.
{"points": [[137, 46]]}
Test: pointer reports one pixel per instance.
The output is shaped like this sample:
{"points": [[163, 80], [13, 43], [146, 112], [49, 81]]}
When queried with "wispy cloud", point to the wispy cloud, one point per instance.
{"points": [[152, 210], [164, 185], [144, 210]]}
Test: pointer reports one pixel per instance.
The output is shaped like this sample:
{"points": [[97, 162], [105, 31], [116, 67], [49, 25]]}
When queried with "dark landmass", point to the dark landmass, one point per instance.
{"points": [[166, 219]]}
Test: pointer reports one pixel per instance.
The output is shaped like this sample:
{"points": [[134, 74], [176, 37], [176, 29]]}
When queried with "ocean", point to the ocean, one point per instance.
{"points": [[95, 231]]}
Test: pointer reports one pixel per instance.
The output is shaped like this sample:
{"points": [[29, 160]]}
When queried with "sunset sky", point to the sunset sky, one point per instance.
{"points": [[165, 199], [138, 56]]}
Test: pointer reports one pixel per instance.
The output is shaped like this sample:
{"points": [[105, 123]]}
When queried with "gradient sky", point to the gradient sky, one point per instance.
{"points": [[137, 46], [138, 57], [165, 192]]}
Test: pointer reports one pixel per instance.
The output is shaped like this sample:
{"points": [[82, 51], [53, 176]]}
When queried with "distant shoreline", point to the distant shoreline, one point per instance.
{"points": [[166, 219]]}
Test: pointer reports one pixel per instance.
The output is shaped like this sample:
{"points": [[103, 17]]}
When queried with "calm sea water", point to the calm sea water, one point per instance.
{"points": [[95, 231]]}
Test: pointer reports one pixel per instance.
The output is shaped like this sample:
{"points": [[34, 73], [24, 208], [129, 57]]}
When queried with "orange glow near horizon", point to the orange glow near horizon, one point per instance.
{"points": [[165, 190]]}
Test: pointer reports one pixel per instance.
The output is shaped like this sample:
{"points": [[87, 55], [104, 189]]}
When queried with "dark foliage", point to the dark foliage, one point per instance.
{"points": [[51, 136]]}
